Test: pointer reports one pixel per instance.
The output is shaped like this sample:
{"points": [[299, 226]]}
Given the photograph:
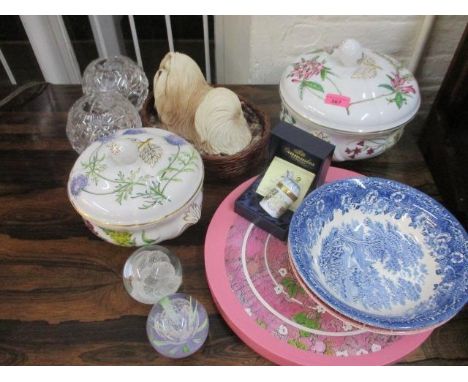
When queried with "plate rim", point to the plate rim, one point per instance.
{"points": [[356, 314], [243, 326]]}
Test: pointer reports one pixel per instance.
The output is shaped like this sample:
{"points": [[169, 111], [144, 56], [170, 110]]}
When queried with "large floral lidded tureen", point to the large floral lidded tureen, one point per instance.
{"points": [[357, 99], [137, 187]]}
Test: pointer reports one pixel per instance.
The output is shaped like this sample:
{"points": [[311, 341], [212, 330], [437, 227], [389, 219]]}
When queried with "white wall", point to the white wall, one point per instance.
{"points": [[267, 44]]}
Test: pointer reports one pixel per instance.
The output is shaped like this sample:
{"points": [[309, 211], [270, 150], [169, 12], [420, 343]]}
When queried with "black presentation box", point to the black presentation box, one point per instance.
{"points": [[296, 146]]}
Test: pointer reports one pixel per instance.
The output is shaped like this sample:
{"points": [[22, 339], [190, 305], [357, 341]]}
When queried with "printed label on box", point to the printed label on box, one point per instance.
{"points": [[337, 100]]}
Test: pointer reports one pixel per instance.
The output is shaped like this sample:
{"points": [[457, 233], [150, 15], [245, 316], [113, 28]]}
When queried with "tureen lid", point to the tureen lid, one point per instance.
{"points": [[135, 177], [350, 88]]}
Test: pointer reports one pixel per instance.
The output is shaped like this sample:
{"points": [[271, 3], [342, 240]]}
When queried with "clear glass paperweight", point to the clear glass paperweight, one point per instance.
{"points": [[117, 74], [99, 115], [151, 273], [177, 326]]}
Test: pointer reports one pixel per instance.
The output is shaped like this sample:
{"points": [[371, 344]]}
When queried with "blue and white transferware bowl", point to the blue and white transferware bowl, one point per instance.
{"points": [[381, 253]]}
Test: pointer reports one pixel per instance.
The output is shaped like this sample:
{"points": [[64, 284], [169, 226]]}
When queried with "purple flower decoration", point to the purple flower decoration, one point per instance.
{"points": [[175, 140], [78, 183], [133, 131], [106, 138]]}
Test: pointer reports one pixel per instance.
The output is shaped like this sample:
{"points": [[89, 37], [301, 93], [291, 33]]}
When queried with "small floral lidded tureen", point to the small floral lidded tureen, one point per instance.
{"points": [[137, 187], [350, 96]]}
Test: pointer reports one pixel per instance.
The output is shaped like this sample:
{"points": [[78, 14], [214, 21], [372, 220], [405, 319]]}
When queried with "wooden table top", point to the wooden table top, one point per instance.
{"points": [[62, 300]]}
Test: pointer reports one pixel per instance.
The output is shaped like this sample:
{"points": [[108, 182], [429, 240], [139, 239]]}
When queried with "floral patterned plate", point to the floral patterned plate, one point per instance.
{"points": [[350, 321], [381, 253], [260, 298]]}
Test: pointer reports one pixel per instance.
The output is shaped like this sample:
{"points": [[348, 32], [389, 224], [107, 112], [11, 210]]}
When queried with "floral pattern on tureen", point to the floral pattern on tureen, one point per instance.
{"points": [[305, 71], [134, 184], [400, 87], [147, 170], [313, 75], [350, 88]]}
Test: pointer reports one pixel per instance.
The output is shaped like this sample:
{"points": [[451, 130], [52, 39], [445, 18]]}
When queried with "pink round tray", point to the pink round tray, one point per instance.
{"points": [[258, 295]]}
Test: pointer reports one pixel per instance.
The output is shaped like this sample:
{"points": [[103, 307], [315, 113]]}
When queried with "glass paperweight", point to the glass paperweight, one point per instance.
{"points": [[177, 326], [117, 74], [99, 115], [151, 273]]}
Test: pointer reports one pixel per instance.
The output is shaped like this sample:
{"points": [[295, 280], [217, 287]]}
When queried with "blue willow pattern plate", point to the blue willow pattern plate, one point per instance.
{"points": [[381, 253]]}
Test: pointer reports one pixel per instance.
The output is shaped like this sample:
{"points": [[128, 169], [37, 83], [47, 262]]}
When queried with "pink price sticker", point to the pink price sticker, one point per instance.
{"points": [[337, 100]]}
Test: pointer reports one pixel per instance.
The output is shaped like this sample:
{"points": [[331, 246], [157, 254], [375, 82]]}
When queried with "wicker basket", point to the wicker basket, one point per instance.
{"points": [[227, 166]]}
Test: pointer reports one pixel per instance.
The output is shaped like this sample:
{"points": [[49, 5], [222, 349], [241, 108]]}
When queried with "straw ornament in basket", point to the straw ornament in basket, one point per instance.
{"points": [[230, 133]]}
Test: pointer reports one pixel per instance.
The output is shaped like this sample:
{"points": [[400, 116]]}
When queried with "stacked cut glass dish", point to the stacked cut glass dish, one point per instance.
{"points": [[114, 90]]}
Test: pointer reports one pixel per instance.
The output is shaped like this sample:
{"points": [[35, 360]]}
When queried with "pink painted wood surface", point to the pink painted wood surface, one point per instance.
{"points": [[262, 330]]}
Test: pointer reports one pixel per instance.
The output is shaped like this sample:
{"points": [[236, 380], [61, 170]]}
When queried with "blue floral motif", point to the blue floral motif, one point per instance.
{"points": [[366, 269], [78, 183], [106, 138], [175, 140], [133, 131]]}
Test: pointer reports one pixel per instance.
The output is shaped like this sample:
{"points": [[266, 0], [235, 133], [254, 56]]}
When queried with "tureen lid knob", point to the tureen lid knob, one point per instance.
{"points": [[349, 52], [123, 151]]}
